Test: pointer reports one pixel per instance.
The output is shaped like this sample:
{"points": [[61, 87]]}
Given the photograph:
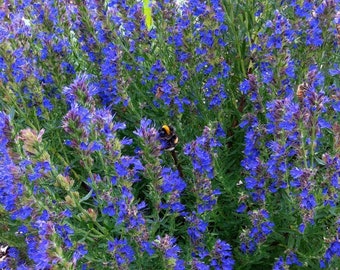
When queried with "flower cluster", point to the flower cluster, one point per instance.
{"points": [[258, 233], [291, 259], [167, 246], [172, 187], [86, 89]]}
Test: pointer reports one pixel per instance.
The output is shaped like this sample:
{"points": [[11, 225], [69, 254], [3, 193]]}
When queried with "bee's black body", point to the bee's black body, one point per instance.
{"points": [[3, 252], [168, 137]]}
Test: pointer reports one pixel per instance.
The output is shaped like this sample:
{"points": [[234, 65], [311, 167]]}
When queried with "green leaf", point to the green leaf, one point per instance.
{"points": [[320, 161], [86, 197]]}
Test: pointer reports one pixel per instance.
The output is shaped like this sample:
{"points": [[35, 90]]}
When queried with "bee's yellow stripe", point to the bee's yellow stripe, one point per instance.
{"points": [[167, 129]]}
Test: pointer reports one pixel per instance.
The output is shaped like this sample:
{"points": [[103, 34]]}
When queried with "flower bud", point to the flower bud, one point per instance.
{"points": [[92, 214], [65, 182], [72, 200], [31, 140]]}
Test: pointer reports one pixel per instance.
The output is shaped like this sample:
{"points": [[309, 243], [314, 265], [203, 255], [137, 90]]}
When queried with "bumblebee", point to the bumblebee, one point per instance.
{"points": [[168, 137], [3, 252]]}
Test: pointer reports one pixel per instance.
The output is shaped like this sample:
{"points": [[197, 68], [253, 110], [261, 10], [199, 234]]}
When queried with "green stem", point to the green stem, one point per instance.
{"points": [[313, 140], [303, 145]]}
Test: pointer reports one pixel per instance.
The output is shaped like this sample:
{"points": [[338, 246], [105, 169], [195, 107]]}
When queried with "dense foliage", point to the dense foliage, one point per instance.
{"points": [[252, 90]]}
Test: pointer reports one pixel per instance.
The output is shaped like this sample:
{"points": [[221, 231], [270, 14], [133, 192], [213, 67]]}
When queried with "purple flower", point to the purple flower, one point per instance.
{"points": [[77, 121], [64, 231], [333, 250], [149, 135], [308, 202], [266, 72], [109, 210], [172, 252], [37, 251], [197, 228], [167, 245], [80, 90], [302, 227], [196, 264], [79, 253], [258, 233], [279, 264], [22, 230], [335, 71], [121, 251], [67, 213], [47, 104], [242, 207], [172, 187], [68, 68], [200, 152], [147, 246], [314, 34], [127, 210], [22, 213], [292, 259], [290, 70], [222, 256], [129, 167], [180, 264]]}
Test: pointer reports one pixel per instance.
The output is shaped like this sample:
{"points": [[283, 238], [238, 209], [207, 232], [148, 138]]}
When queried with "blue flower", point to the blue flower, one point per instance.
{"points": [[64, 231], [242, 207], [167, 245], [172, 186], [279, 264], [292, 259], [302, 227], [308, 202], [206, 37], [222, 256], [79, 253], [251, 182], [77, 120], [314, 34], [147, 246], [129, 167], [172, 252], [197, 228], [22, 213], [37, 251], [68, 68], [121, 251], [180, 264], [333, 250], [47, 104], [109, 210], [333, 72], [266, 72], [259, 231], [80, 90], [196, 264]]}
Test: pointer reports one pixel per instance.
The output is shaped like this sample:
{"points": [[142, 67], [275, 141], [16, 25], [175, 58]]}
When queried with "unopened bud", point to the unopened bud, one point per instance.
{"points": [[72, 200], [92, 214], [69, 201], [31, 140], [65, 182]]}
